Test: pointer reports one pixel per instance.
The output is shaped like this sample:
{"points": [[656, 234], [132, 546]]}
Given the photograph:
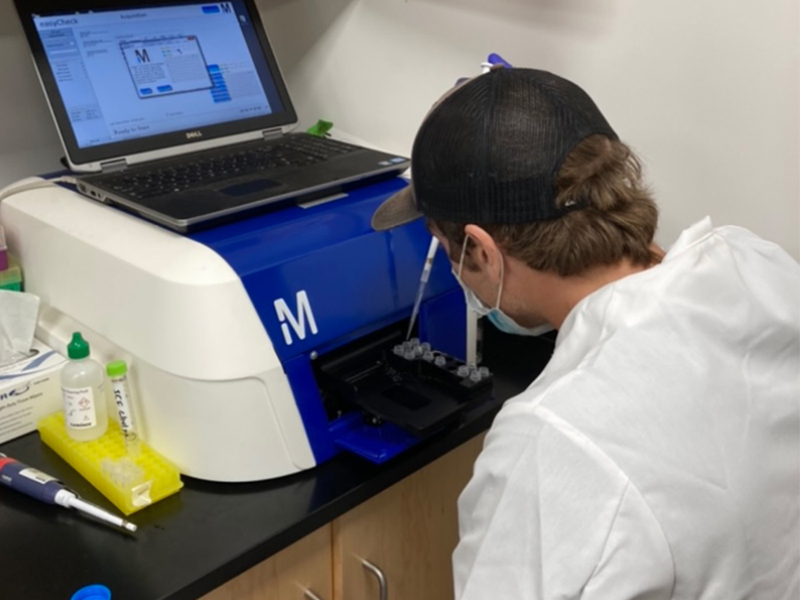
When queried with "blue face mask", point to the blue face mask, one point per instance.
{"points": [[498, 318], [505, 323]]}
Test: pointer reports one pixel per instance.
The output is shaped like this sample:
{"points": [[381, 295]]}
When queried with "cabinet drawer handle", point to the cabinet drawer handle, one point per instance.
{"points": [[309, 595], [379, 575]]}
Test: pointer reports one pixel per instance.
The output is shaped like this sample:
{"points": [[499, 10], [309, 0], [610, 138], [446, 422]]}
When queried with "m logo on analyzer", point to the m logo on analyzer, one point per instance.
{"points": [[298, 323]]}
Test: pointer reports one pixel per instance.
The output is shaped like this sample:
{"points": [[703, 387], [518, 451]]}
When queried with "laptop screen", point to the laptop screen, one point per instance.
{"points": [[126, 76]]}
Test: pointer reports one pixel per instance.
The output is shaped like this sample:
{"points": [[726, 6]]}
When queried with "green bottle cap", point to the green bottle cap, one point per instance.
{"points": [[116, 368], [78, 347]]}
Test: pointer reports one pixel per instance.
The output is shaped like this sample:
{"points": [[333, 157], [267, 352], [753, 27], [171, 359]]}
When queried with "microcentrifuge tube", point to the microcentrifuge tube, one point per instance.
{"points": [[398, 350], [475, 376], [462, 371], [439, 361], [484, 371], [409, 355], [427, 356], [425, 346]]}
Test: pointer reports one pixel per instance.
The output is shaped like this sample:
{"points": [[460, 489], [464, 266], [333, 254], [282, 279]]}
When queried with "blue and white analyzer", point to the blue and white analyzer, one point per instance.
{"points": [[261, 347]]}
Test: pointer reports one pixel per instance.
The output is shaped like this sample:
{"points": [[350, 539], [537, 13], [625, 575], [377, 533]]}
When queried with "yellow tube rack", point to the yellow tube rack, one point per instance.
{"points": [[156, 478]]}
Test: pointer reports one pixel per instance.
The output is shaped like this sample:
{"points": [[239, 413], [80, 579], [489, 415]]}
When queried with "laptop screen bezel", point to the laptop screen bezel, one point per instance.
{"points": [[174, 141]]}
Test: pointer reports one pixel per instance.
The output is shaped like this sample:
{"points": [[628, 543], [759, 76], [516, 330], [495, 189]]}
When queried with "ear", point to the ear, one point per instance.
{"points": [[486, 253]]}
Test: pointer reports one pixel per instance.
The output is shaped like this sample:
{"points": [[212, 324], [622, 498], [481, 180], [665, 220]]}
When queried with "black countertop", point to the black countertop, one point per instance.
{"points": [[192, 542]]}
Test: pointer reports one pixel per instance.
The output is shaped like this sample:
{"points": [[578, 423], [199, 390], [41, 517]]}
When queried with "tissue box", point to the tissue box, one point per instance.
{"points": [[29, 390]]}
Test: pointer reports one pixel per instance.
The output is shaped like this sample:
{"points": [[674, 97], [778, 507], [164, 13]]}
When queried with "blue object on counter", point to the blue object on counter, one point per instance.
{"points": [[92, 592]]}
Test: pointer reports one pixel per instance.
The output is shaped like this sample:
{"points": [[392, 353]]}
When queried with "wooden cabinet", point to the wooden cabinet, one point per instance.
{"points": [[408, 532], [305, 565]]}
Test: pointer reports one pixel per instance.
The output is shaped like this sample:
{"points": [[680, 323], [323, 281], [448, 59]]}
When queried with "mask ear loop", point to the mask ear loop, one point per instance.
{"points": [[502, 270], [463, 254], [502, 278]]}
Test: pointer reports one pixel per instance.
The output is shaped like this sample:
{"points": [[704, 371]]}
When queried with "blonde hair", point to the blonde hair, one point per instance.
{"points": [[617, 220]]}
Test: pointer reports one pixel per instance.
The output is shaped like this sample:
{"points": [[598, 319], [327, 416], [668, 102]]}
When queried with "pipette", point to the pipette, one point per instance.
{"points": [[493, 60], [423, 282], [48, 489]]}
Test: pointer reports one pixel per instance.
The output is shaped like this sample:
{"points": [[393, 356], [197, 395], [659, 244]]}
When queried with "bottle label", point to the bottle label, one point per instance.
{"points": [[79, 407], [123, 403]]}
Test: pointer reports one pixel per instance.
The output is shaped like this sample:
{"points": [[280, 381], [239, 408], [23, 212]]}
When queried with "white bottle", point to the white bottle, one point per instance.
{"points": [[83, 390]]}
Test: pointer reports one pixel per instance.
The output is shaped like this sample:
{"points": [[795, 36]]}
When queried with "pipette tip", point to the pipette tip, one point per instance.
{"points": [[100, 513]]}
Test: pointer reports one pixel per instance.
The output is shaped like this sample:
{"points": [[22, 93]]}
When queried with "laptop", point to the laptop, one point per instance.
{"points": [[177, 111]]}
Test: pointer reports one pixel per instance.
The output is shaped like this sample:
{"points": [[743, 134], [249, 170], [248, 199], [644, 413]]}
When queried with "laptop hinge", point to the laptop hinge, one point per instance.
{"points": [[271, 134], [113, 165]]}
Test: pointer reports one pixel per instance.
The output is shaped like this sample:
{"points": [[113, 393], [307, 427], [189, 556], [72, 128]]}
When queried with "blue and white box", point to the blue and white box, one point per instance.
{"points": [[29, 390]]}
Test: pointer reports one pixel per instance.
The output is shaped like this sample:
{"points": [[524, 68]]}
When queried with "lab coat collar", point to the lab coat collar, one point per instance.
{"points": [[689, 237]]}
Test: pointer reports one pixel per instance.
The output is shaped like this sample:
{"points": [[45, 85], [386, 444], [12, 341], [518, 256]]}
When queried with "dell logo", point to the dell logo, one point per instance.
{"points": [[193, 135], [298, 323]]}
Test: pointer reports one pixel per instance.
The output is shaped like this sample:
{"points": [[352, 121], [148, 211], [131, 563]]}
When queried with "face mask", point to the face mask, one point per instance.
{"points": [[505, 323], [498, 318]]}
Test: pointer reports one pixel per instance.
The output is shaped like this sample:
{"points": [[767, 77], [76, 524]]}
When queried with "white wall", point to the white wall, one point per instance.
{"points": [[28, 140], [707, 91]]}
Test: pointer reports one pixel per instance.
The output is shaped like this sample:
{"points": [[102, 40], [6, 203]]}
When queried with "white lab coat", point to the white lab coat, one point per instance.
{"points": [[658, 454]]}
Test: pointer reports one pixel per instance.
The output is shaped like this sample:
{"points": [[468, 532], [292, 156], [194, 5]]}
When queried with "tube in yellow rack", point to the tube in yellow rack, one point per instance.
{"points": [[129, 483]]}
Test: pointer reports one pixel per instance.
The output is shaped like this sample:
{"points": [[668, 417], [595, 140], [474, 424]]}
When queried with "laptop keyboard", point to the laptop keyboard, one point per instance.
{"points": [[294, 151]]}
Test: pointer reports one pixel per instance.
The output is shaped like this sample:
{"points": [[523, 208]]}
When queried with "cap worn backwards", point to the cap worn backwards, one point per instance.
{"points": [[491, 150]]}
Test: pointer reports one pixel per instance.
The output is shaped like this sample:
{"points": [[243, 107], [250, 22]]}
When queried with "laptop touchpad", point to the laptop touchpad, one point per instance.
{"points": [[249, 187]]}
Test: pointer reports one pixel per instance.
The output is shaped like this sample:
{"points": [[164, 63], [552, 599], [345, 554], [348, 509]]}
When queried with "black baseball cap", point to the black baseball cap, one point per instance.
{"points": [[490, 150]]}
